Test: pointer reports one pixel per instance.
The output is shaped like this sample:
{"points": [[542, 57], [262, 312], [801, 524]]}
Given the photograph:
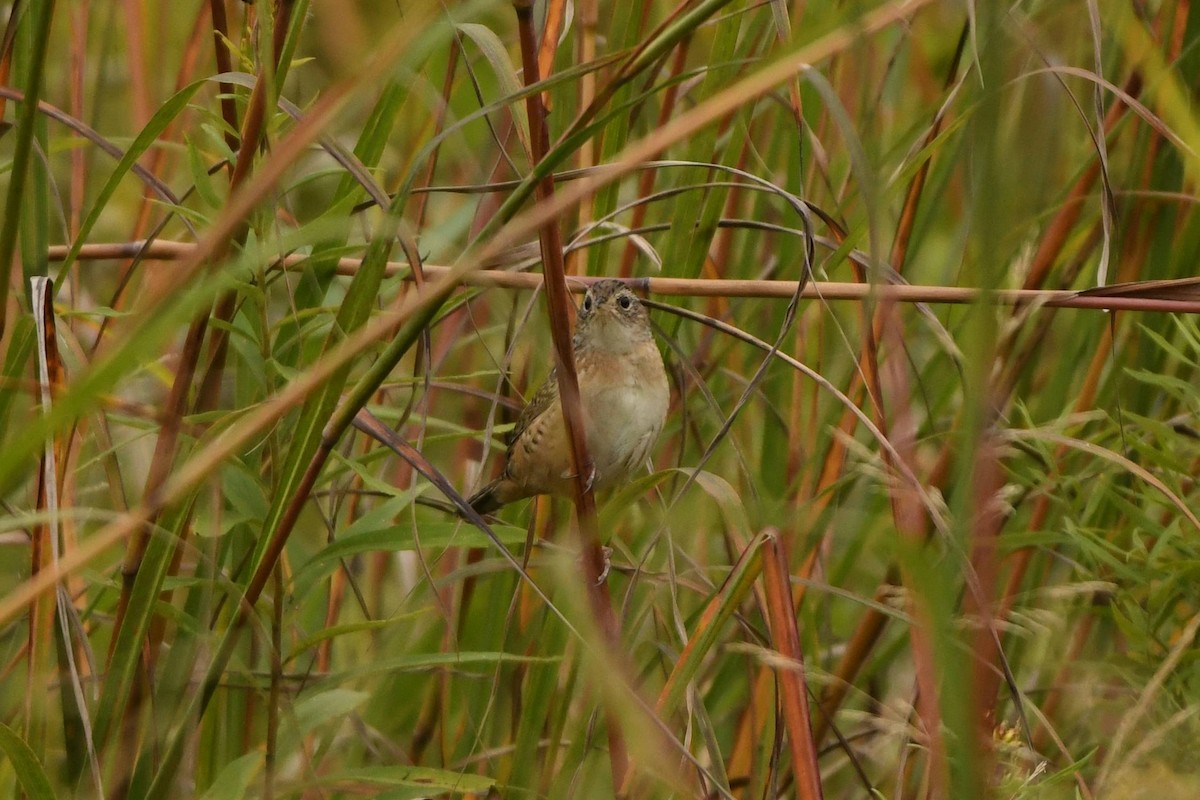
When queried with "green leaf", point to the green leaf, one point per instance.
{"points": [[506, 73], [201, 180], [131, 637], [427, 779], [19, 349], [234, 779], [423, 661], [320, 708], [25, 763], [374, 533], [335, 631], [148, 136], [243, 491]]}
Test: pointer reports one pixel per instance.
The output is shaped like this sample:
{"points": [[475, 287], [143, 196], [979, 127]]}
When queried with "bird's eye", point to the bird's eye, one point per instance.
{"points": [[625, 302], [587, 303]]}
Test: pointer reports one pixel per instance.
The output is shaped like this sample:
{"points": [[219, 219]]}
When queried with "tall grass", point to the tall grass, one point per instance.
{"points": [[891, 546]]}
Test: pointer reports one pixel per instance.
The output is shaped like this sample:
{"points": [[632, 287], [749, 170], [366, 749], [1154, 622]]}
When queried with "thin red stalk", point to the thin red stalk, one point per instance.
{"points": [[439, 120], [863, 640], [912, 523], [786, 637], [253, 136], [79, 29], [135, 34], [558, 304], [722, 244], [6, 48], [979, 604], [622, 74], [220, 26], [912, 199], [555, 15]]}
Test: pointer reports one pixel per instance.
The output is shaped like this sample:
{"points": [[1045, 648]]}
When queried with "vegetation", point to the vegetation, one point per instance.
{"points": [[921, 523]]}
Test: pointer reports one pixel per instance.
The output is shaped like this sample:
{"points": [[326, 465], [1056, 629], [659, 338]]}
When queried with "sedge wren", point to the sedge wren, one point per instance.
{"points": [[624, 394]]}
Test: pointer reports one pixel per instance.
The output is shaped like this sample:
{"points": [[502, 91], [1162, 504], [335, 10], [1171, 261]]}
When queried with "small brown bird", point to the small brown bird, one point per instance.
{"points": [[624, 393]]}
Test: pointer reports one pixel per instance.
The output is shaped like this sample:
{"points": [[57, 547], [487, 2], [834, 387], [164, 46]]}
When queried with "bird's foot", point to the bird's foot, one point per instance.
{"points": [[606, 555]]}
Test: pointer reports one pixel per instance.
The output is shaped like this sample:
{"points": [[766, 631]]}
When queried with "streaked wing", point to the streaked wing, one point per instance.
{"points": [[545, 396]]}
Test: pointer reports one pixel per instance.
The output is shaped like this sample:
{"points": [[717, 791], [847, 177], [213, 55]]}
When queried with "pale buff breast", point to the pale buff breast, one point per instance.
{"points": [[625, 410]]}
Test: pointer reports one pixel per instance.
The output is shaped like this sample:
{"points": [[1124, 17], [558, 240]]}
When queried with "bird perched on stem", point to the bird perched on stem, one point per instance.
{"points": [[624, 394]]}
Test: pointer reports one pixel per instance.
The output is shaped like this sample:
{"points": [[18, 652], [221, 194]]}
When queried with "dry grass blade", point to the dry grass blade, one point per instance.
{"points": [[1173, 290], [723, 604], [52, 379], [1179, 650]]}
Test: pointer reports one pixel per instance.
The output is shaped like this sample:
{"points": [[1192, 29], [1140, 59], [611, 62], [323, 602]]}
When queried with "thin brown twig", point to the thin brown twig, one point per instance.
{"points": [[1137, 296]]}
